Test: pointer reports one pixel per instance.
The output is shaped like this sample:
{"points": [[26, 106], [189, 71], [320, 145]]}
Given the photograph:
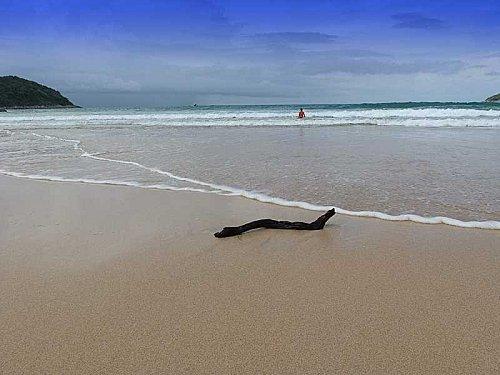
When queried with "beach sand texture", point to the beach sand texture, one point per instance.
{"points": [[106, 279]]}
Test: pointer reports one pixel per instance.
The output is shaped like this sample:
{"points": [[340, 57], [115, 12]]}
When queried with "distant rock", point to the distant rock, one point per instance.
{"points": [[3, 110], [494, 98], [19, 93]]}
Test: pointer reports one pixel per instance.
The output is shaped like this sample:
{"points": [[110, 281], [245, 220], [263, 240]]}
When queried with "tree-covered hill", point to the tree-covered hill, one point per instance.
{"points": [[17, 92], [494, 98]]}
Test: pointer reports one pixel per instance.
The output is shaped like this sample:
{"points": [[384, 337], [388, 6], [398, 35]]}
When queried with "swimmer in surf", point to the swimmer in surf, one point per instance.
{"points": [[301, 113]]}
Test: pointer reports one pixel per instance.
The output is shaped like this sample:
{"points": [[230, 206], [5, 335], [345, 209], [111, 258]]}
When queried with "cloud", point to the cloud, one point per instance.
{"points": [[370, 66], [116, 20], [416, 21], [493, 55], [295, 37], [184, 51]]}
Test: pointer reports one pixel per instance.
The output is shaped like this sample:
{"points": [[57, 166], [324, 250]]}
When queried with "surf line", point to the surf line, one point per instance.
{"points": [[104, 182], [227, 190]]}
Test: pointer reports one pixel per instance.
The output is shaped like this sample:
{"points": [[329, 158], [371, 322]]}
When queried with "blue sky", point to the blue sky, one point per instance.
{"points": [[160, 52]]}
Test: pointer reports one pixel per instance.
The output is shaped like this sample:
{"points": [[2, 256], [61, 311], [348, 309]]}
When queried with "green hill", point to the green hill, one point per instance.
{"points": [[494, 98], [17, 92]]}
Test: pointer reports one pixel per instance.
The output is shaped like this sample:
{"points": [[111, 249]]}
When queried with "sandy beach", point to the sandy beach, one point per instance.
{"points": [[106, 279], [139, 139]]}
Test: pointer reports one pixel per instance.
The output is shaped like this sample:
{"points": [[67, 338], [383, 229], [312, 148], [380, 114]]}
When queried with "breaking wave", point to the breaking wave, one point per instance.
{"points": [[480, 116]]}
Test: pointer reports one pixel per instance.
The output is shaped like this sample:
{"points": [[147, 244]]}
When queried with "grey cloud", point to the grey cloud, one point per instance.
{"points": [[93, 75], [374, 66], [357, 53], [295, 37], [416, 21], [493, 55]]}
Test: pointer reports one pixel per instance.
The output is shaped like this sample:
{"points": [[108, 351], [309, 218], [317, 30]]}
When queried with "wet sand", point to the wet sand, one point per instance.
{"points": [[106, 279]]}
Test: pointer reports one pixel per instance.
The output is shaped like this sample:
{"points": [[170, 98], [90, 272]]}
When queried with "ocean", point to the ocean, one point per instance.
{"points": [[422, 162]]}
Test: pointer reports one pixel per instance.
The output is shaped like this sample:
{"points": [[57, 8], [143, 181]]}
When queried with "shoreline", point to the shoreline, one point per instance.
{"points": [[100, 278], [259, 197], [6, 109]]}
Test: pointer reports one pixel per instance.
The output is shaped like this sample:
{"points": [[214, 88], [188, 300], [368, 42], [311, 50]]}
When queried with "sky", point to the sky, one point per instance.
{"points": [[161, 52]]}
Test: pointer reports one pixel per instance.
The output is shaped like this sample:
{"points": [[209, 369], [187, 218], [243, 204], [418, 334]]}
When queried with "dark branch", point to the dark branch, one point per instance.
{"points": [[317, 224]]}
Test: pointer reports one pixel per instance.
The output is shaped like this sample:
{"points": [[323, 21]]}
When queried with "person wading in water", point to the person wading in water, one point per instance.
{"points": [[301, 113]]}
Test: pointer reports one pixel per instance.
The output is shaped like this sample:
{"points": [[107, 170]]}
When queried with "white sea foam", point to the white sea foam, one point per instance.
{"points": [[227, 190], [103, 182], [423, 117], [266, 199], [76, 143], [262, 114]]}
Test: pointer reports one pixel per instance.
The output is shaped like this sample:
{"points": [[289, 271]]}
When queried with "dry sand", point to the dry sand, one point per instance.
{"points": [[106, 279]]}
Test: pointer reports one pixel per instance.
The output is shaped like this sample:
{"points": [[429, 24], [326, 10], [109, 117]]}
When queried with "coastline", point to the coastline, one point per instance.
{"points": [[126, 280], [254, 196], [6, 109], [392, 172]]}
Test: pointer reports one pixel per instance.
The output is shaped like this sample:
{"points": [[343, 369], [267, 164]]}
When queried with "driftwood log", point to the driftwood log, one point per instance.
{"points": [[317, 224]]}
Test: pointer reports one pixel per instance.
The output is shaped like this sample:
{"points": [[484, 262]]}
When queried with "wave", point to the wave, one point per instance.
{"points": [[259, 114], [227, 190], [103, 182], [428, 117], [266, 199], [313, 207], [284, 123]]}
